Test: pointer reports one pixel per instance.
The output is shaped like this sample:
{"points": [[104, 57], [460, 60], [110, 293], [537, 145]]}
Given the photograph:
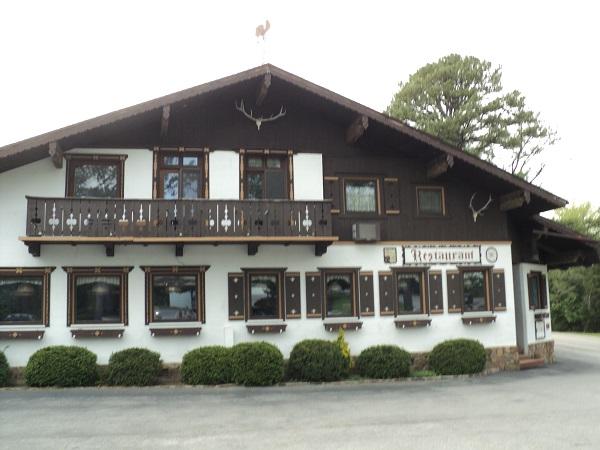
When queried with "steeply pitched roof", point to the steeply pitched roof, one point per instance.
{"points": [[35, 148]]}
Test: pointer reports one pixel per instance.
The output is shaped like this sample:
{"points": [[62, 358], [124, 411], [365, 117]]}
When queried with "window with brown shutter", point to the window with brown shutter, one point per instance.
{"points": [[175, 294], [25, 295], [410, 288], [292, 295], [499, 289], [475, 288], [537, 288], [386, 294], [340, 292], [264, 294], [454, 291], [236, 301], [436, 295], [366, 296], [313, 294]]}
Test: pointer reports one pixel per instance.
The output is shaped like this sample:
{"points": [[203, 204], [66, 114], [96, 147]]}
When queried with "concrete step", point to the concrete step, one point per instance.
{"points": [[530, 363]]}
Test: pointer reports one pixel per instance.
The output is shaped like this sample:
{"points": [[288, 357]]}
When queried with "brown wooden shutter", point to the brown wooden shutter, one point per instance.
{"points": [[386, 294], [532, 300], [391, 194], [454, 292], [499, 288], [543, 291], [236, 296], [436, 295], [331, 191], [313, 295], [292, 295], [367, 302]]}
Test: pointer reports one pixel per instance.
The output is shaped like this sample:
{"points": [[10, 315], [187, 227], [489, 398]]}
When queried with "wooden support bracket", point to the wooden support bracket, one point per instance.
{"points": [[110, 249], [439, 166], [321, 248], [35, 249], [263, 89], [356, 129], [514, 200], [252, 249], [56, 153], [164, 123], [179, 250]]}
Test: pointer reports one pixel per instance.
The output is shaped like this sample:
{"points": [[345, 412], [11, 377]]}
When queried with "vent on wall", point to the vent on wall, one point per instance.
{"points": [[365, 232]]}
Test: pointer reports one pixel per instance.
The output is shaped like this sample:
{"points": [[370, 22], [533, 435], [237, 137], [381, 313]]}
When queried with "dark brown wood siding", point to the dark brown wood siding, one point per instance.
{"points": [[436, 294]]}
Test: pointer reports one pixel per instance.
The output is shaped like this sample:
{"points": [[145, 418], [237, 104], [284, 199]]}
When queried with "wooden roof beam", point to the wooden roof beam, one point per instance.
{"points": [[356, 129], [263, 89], [164, 122], [56, 153], [514, 200], [439, 166]]}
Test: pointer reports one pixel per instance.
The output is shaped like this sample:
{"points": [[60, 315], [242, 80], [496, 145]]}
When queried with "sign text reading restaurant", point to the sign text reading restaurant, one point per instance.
{"points": [[441, 254]]}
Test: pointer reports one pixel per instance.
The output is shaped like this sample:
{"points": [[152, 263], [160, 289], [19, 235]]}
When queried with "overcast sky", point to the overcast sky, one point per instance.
{"points": [[66, 61]]}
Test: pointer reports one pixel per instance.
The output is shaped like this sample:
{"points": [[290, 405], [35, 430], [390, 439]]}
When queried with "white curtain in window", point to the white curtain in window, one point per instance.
{"points": [[360, 196]]}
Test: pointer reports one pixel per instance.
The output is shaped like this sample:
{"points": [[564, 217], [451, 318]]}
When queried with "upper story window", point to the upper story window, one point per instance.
{"points": [[98, 176], [431, 201], [361, 195], [475, 288], [180, 175], [24, 296], [265, 176], [97, 295]]}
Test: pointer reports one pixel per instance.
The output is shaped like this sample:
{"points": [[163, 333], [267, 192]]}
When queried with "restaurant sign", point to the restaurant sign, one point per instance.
{"points": [[426, 255]]}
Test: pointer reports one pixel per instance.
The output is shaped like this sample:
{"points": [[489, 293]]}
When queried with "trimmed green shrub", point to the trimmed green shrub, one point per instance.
{"points": [[317, 360], [207, 365], [3, 370], [257, 364], [61, 365], [383, 361], [133, 367], [457, 356]]}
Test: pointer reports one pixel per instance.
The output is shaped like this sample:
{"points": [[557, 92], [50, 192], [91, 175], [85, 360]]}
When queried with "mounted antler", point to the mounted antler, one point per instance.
{"points": [[478, 212], [259, 120]]}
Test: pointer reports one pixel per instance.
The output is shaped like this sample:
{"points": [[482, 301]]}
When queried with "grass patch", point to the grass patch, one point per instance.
{"points": [[423, 374]]}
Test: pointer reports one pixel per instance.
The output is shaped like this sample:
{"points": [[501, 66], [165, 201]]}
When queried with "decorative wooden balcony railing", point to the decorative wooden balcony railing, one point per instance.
{"points": [[143, 221]]}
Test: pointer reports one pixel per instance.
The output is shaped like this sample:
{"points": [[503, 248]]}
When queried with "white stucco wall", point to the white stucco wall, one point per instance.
{"points": [[41, 178], [522, 296], [224, 175], [308, 176]]}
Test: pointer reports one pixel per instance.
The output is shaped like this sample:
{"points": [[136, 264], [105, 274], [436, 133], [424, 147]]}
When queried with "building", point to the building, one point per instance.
{"points": [[263, 207]]}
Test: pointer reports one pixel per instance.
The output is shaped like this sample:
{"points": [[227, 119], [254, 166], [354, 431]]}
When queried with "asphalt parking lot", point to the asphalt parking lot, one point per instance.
{"points": [[556, 407]]}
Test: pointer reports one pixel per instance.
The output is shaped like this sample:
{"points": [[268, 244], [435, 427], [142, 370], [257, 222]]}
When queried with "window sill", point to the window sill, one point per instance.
{"points": [[412, 323], [175, 331], [78, 333], [478, 319], [332, 327], [275, 327], [21, 333]]}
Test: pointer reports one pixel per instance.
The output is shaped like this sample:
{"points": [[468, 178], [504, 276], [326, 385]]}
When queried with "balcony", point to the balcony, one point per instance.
{"points": [[111, 222]]}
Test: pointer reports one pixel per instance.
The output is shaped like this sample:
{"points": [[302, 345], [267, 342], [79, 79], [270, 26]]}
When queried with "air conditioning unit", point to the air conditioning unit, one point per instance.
{"points": [[365, 231]]}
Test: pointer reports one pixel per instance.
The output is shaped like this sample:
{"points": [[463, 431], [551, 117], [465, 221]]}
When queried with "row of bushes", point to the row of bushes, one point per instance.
{"points": [[247, 364]]}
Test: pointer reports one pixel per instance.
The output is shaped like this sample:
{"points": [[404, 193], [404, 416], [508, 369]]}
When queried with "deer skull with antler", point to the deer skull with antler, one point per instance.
{"points": [[478, 212], [259, 120]]}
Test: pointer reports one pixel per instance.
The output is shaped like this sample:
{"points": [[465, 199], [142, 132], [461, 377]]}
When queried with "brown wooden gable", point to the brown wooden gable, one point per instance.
{"points": [[205, 116]]}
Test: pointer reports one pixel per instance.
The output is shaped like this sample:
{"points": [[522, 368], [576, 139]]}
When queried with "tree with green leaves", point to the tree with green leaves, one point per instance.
{"points": [[575, 292], [461, 101]]}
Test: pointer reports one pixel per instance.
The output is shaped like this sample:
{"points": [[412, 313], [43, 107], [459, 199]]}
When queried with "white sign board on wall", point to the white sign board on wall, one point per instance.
{"points": [[418, 255]]}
